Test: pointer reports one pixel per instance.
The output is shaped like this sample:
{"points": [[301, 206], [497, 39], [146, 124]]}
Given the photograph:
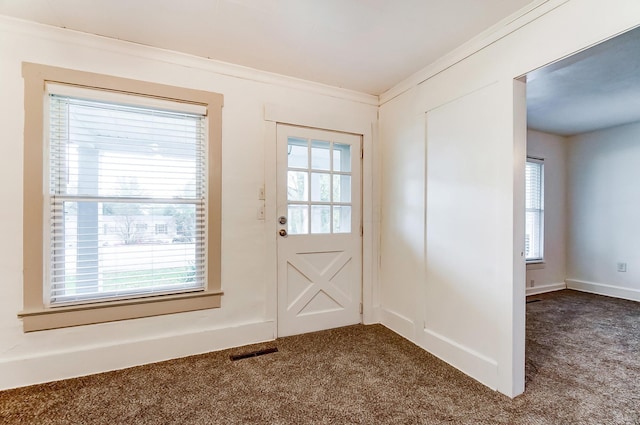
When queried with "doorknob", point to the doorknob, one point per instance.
{"points": [[282, 220], [283, 233]]}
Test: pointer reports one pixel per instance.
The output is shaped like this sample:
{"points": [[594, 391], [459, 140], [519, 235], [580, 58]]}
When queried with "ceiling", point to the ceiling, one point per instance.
{"points": [[363, 45], [591, 90]]}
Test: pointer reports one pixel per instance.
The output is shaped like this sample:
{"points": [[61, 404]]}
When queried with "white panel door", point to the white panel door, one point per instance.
{"points": [[319, 217]]}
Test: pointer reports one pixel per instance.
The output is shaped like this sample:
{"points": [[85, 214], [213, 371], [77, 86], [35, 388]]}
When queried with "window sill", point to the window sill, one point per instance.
{"points": [[110, 311], [535, 265]]}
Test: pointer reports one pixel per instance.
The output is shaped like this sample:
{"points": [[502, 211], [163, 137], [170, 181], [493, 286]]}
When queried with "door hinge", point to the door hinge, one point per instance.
{"points": [[361, 153], [361, 230], [360, 308]]}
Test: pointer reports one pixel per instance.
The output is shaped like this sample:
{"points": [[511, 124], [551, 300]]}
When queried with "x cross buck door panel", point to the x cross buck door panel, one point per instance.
{"points": [[319, 236]]}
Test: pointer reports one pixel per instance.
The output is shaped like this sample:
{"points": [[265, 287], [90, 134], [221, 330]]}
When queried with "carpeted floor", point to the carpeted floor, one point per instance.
{"points": [[583, 367]]}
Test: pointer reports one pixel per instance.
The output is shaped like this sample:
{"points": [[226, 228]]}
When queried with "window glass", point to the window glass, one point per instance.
{"points": [[319, 190], [118, 167], [320, 219], [320, 155], [341, 188], [298, 153], [341, 157], [320, 187], [341, 219], [298, 219], [298, 186], [534, 207]]}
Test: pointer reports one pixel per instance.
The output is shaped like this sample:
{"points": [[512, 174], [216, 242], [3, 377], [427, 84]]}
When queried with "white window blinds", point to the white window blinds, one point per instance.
{"points": [[120, 168], [534, 221]]}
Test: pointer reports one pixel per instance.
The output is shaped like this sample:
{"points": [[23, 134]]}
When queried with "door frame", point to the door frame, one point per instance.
{"points": [[365, 126]]}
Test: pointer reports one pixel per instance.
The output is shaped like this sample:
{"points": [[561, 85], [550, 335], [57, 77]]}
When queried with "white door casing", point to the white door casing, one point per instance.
{"points": [[320, 245]]}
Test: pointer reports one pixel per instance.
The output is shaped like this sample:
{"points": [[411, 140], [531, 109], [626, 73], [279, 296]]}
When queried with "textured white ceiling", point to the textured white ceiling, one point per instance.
{"points": [[591, 90], [363, 45]]}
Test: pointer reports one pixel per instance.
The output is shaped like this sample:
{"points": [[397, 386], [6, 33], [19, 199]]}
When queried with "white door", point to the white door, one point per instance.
{"points": [[319, 239]]}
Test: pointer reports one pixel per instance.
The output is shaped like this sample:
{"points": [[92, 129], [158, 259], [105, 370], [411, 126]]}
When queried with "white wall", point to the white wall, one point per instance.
{"points": [[402, 211], [468, 252], [604, 215], [551, 274], [407, 295], [248, 267]]}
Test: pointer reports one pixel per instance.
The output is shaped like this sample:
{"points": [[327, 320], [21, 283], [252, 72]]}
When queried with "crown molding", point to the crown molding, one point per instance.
{"points": [[498, 31], [78, 38]]}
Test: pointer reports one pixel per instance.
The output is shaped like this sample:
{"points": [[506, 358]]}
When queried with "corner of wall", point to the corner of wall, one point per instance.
{"points": [[398, 323]]}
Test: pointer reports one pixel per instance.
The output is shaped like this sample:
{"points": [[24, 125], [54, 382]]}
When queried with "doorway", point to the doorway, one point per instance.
{"points": [[583, 121], [319, 239]]}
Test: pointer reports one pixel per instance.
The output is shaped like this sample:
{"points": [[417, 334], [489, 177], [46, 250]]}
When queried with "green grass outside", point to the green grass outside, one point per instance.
{"points": [[139, 279]]}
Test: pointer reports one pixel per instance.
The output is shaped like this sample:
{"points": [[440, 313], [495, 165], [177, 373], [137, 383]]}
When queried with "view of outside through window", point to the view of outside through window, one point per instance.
{"points": [[127, 200], [534, 220], [318, 187]]}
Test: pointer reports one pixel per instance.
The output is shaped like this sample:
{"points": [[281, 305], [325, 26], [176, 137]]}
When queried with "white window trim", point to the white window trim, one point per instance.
{"points": [[536, 265]]}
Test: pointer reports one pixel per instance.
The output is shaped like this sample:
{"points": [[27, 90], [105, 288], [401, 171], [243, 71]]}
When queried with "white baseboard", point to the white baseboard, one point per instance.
{"points": [[535, 290], [372, 315], [474, 364], [604, 289], [398, 323], [63, 365], [468, 361]]}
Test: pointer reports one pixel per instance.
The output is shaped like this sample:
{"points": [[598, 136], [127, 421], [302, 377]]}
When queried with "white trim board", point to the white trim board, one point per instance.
{"points": [[307, 118], [23, 371], [603, 289], [470, 362], [546, 288]]}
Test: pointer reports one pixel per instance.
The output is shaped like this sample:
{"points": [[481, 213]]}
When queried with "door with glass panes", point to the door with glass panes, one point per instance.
{"points": [[319, 236]]}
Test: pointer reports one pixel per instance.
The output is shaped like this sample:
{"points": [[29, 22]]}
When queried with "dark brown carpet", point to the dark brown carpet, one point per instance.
{"points": [[583, 367]]}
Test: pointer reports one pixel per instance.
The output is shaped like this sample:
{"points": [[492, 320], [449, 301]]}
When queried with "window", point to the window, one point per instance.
{"points": [[318, 187], [121, 156], [161, 229], [534, 221]]}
